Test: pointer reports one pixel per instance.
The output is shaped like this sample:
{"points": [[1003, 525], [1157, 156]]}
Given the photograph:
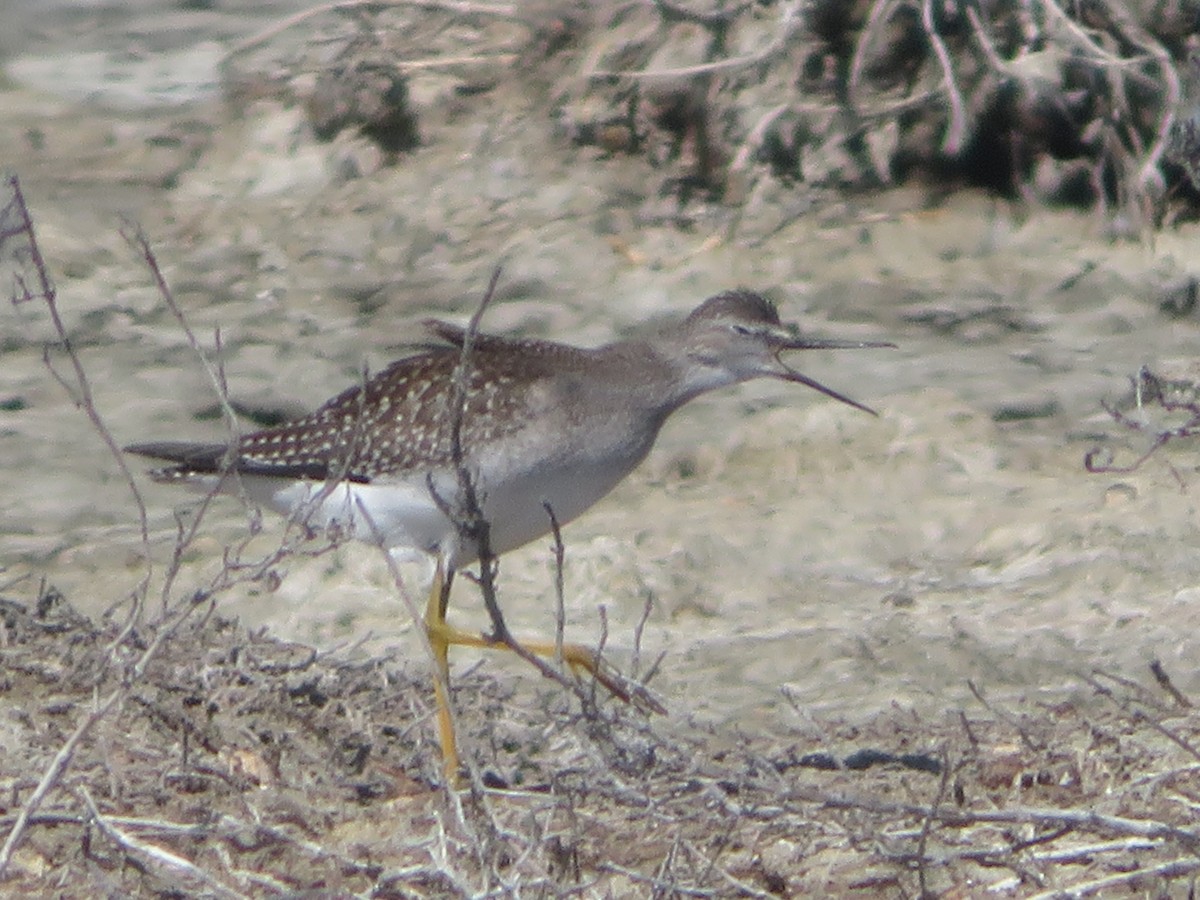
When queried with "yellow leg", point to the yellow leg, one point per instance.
{"points": [[442, 635], [439, 638], [577, 656]]}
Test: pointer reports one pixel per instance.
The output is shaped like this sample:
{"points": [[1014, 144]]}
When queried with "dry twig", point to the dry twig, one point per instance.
{"points": [[955, 132], [457, 7]]}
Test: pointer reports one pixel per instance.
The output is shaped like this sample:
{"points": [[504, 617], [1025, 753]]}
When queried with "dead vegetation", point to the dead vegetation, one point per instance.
{"points": [[235, 764], [1163, 407], [1049, 102], [166, 751]]}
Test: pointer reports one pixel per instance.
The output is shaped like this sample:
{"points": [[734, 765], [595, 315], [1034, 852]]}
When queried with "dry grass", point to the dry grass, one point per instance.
{"points": [[1083, 104], [240, 765], [167, 751]]}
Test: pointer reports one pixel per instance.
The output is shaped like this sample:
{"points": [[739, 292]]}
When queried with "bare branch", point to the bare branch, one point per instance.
{"points": [[458, 7], [156, 856], [956, 130], [560, 613], [79, 387], [789, 22]]}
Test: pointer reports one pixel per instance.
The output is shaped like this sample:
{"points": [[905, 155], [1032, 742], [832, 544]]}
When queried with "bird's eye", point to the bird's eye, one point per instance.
{"points": [[742, 329]]}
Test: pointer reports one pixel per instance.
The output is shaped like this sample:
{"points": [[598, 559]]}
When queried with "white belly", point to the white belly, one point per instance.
{"points": [[404, 516]]}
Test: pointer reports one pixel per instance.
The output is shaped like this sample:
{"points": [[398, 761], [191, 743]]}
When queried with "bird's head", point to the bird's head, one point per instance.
{"points": [[737, 336]]}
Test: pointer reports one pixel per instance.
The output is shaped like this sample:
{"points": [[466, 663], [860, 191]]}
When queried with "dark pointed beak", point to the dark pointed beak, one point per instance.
{"points": [[788, 339]]}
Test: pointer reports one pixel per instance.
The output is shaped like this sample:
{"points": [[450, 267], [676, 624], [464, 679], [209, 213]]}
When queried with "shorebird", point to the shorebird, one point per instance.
{"points": [[529, 431]]}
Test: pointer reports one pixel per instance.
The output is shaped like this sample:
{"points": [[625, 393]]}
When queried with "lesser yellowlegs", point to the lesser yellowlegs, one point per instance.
{"points": [[543, 425]]}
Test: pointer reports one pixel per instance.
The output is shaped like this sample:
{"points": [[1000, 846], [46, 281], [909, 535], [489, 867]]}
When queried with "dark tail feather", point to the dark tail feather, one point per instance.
{"points": [[188, 457], [213, 459]]}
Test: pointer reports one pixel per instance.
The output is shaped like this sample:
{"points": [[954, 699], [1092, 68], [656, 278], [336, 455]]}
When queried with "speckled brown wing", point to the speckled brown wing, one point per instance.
{"points": [[399, 421]]}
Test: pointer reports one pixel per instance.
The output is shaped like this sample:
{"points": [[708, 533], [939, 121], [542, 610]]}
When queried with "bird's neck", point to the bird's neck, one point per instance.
{"points": [[664, 375]]}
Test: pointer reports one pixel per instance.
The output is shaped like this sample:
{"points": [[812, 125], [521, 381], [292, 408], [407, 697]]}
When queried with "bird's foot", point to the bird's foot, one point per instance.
{"points": [[578, 657]]}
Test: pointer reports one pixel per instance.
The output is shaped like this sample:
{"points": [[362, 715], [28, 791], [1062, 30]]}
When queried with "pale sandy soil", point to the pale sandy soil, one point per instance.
{"points": [[785, 542], [819, 580]]}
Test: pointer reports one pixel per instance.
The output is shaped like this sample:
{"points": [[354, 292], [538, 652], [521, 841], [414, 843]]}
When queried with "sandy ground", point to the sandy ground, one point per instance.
{"points": [[785, 543], [940, 580]]}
